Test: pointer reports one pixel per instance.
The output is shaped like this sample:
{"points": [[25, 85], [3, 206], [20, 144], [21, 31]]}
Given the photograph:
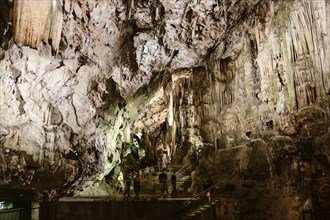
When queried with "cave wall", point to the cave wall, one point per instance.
{"points": [[266, 81], [79, 77], [263, 110], [55, 80]]}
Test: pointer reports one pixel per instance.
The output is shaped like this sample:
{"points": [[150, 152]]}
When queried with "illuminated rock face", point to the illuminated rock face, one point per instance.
{"points": [[78, 77], [37, 23]]}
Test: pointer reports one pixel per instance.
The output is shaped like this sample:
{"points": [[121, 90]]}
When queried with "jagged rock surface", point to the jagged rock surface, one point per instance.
{"points": [[249, 79]]}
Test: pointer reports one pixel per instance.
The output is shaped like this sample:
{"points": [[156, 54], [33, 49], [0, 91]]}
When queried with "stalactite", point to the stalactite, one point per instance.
{"points": [[127, 133], [305, 54], [170, 110], [44, 25]]}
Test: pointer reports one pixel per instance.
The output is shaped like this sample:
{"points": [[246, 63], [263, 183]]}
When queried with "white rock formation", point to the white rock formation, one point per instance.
{"points": [[78, 78]]}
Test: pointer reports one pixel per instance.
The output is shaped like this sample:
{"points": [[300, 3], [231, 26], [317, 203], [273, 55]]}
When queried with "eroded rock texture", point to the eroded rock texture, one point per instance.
{"points": [[244, 83]]}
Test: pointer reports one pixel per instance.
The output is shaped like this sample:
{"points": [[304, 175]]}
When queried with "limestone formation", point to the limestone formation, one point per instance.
{"points": [[244, 84]]}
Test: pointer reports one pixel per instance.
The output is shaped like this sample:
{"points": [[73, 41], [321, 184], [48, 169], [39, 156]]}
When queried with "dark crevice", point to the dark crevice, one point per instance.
{"points": [[245, 15], [6, 30]]}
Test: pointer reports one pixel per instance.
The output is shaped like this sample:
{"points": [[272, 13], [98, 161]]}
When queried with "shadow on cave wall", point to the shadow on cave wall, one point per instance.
{"points": [[5, 26]]}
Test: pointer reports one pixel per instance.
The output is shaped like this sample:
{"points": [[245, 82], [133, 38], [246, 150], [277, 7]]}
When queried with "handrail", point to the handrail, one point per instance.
{"points": [[212, 187], [155, 166], [141, 180], [152, 187], [4, 211], [202, 193], [182, 170]]}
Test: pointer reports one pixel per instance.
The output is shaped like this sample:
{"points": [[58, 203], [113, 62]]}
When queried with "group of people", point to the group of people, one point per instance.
{"points": [[136, 184], [162, 178]]}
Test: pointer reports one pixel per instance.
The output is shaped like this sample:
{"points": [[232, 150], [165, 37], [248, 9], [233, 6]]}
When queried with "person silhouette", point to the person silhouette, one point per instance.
{"points": [[173, 182], [127, 186], [163, 182], [137, 184]]}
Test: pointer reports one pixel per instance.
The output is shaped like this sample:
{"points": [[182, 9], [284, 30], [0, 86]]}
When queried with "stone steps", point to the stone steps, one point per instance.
{"points": [[182, 182], [203, 211]]}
